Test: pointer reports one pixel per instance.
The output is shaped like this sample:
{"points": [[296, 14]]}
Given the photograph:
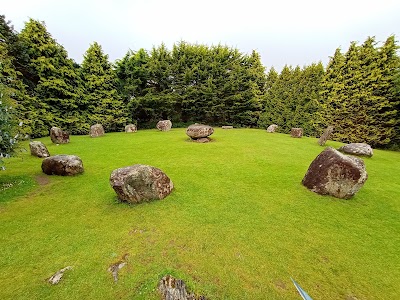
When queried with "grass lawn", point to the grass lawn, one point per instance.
{"points": [[238, 224]]}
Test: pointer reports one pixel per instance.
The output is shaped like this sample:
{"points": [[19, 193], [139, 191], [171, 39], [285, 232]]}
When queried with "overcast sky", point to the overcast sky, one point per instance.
{"points": [[282, 31]]}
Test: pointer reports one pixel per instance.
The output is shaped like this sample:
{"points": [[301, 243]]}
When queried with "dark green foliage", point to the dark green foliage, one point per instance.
{"points": [[10, 88], [102, 101], [291, 98], [193, 83], [359, 97], [359, 93], [52, 82]]}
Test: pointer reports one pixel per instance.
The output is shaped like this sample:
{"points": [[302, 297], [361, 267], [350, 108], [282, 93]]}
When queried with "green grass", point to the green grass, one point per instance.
{"points": [[238, 224]]}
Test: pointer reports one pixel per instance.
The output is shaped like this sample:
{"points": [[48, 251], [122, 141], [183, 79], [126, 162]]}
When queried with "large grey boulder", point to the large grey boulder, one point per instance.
{"points": [[361, 149], [139, 183], [58, 136], [333, 173], [296, 132], [64, 165], [96, 130], [38, 149], [130, 128], [164, 125], [325, 136], [198, 131], [272, 128]]}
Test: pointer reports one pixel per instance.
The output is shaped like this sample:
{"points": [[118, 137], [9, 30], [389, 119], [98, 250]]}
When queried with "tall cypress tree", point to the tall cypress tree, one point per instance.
{"points": [[104, 104], [52, 79], [12, 78], [356, 97], [389, 63]]}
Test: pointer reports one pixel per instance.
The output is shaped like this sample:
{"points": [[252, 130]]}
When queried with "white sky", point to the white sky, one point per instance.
{"points": [[282, 31]]}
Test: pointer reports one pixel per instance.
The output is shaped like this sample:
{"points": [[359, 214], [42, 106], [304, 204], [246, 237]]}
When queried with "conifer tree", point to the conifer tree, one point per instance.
{"points": [[356, 97], [52, 79], [103, 103], [14, 92]]}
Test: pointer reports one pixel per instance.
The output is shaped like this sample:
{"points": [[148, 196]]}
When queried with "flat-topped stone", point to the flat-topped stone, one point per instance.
{"points": [[197, 131], [227, 127], [361, 149]]}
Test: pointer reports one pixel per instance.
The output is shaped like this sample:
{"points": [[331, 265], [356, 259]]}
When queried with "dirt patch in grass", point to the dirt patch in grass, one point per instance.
{"points": [[42, 179], [280, 284]]}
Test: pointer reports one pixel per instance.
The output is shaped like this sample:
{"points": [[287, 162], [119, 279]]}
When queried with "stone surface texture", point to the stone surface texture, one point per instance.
{"points": [[171, 288], [333, 173], [202, 140], [139, 183], [64, 165], [325, 136], [38, 149], [58, 275], [361, 149], [58, 136], [130, 128], [272, 128], [197, 131], [96, 130], [296, 132], [164, 125]]}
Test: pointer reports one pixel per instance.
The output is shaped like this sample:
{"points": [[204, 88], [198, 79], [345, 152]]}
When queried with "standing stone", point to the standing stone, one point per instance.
{"points": [[38, 149], [325, 136], [272, 128], [296, 132], [164, 125], [361, 149], [96, 130], [139, 183], [198, 131], [64, 165], [333, 173], [172, 288], [58, 136], [130, 128]]}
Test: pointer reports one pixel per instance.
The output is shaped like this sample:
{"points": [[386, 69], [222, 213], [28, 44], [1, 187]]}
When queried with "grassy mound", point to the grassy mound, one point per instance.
{"points": [[238, 224]]}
